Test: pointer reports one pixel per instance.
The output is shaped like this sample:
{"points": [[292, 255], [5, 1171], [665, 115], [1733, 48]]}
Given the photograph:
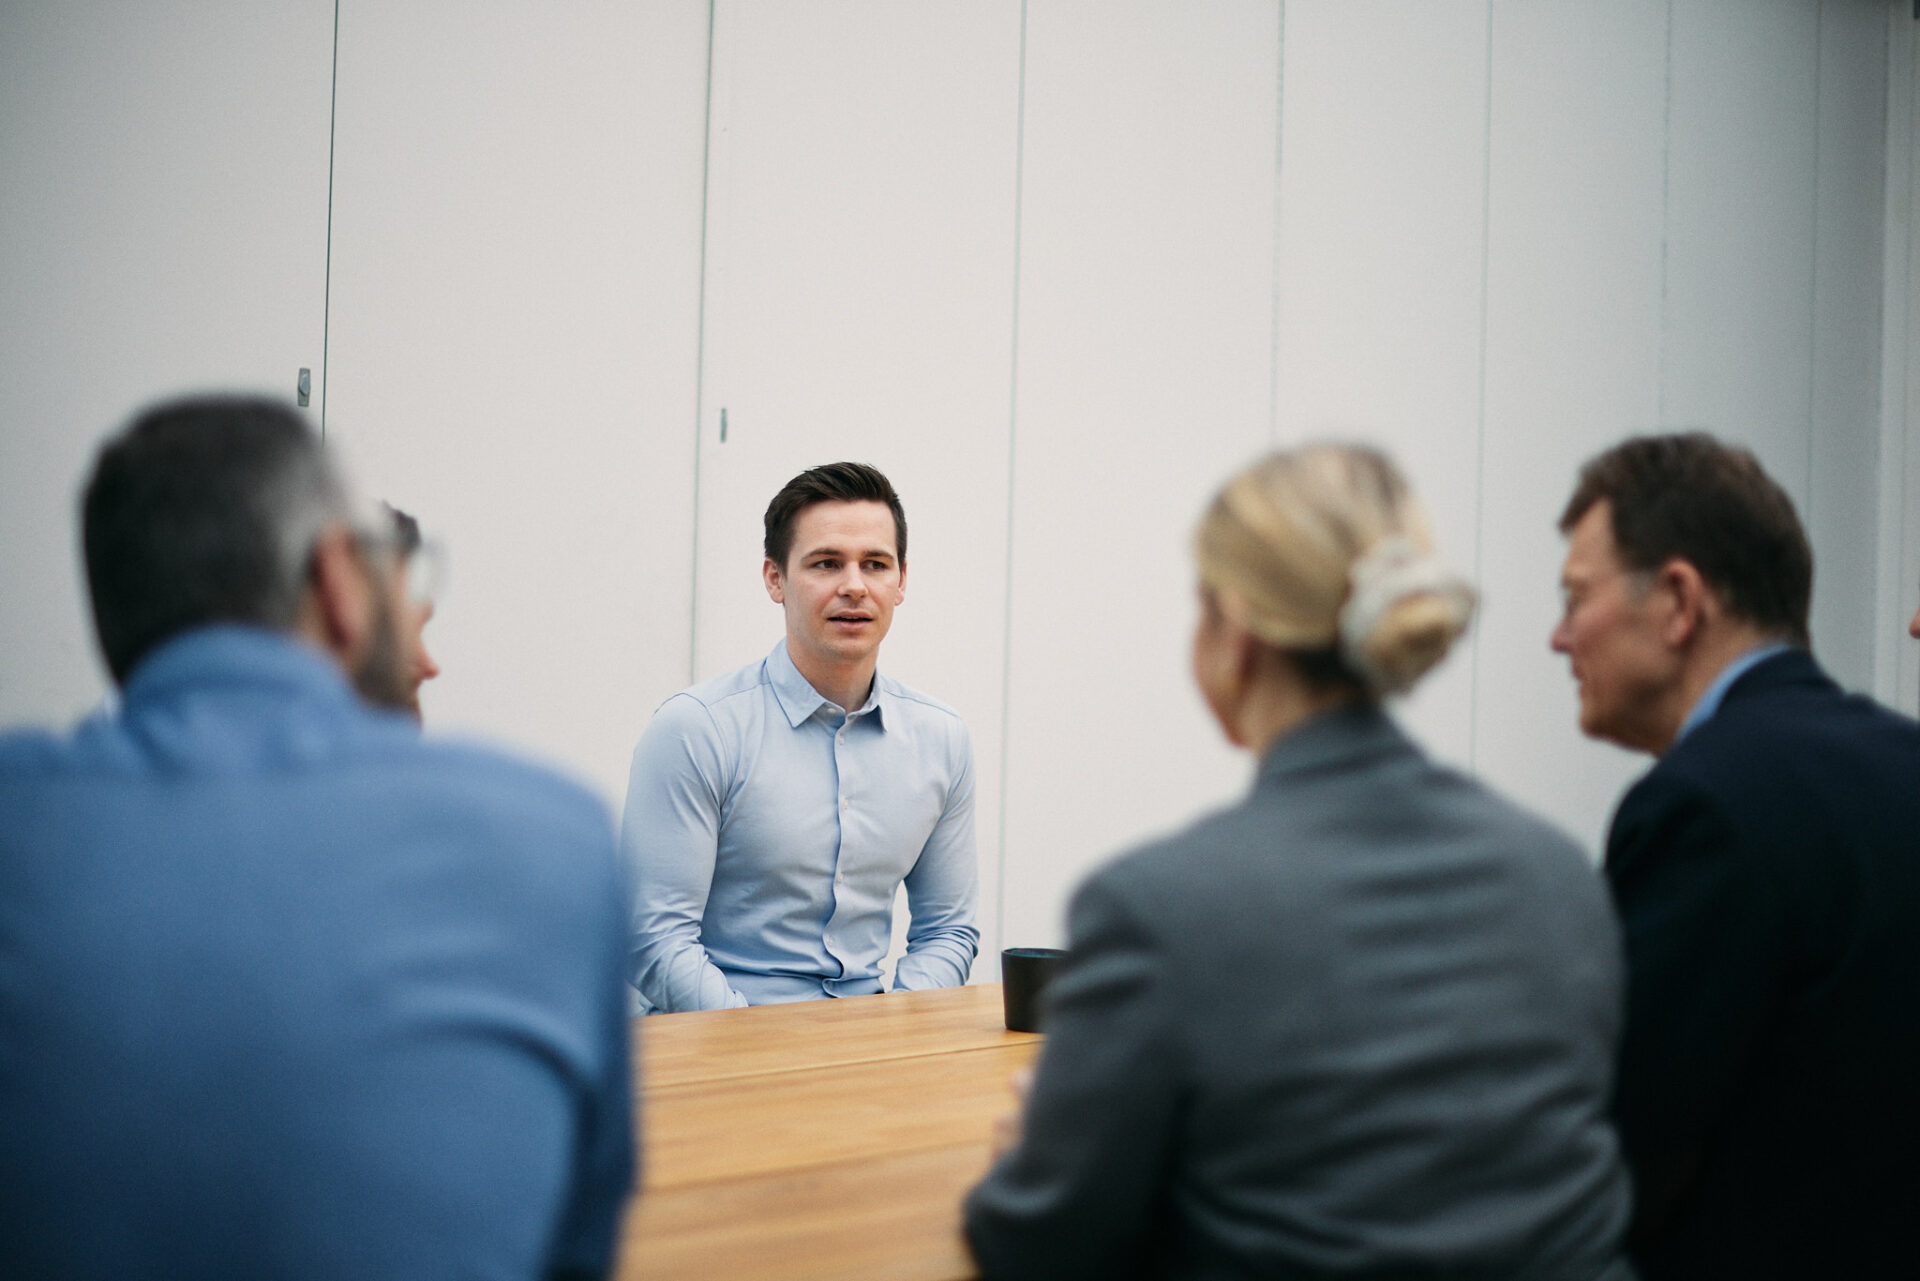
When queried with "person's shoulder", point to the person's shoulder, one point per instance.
{"points": [[1729, 784], [1502, 819], [922, 708], [502, 790], [702, 709], [1558, 882], [1161, 873], [716, 691], [1786, 761], [1205, 890], [525, 842], [1787, 722], [1791, 693], [96, 745], [26, 753]]}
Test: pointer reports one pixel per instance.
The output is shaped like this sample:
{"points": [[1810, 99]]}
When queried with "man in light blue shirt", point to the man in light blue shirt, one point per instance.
{"points": [[773, 812], [286, 990]]}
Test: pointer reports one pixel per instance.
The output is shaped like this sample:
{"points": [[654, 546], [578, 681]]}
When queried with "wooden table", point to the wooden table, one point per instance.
{"points": [[826, 1139]]}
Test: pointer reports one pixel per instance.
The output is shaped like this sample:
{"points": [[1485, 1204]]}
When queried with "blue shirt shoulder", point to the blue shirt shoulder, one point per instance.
{"points": [[340, 953]]}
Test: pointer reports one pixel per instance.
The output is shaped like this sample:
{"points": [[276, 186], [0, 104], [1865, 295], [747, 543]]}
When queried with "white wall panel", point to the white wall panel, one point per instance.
{"points": [[859, 305], [514, 323], [1737, 357], [1573, 358], [163, 196], [1145, 375], [1845, 334], [1382, 201]]}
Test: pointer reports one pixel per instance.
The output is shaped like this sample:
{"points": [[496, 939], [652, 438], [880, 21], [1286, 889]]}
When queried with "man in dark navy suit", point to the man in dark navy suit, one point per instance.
{"points": [[1767, 873]]}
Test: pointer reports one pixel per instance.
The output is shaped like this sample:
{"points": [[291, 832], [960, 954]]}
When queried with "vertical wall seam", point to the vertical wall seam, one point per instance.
{"points": [[700, 358], [326, 279], [1875, 646], [1906, 355], [1279, 157], [1813, 249], [1013, 421], [1666, 227], [1480, 441]]}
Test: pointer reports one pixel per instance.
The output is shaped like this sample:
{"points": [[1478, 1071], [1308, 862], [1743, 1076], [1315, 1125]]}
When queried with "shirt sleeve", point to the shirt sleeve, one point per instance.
{"points": [[943, 890], [1076, 1196], [669, 835], [1704, 936]]}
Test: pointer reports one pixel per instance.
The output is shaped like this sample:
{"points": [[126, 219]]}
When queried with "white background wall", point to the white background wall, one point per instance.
{"points": [[1057, 266], [513, 344], [163, 224]]}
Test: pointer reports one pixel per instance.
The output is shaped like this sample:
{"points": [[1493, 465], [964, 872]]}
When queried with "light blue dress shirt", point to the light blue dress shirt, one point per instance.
{"points": [[1710, 701], [767, 832], [288, 991]]}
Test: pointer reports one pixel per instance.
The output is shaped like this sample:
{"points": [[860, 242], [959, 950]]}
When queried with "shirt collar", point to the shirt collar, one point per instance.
{"points": [[799, 700], [1709, 702], [234, 654], [245, 698]]}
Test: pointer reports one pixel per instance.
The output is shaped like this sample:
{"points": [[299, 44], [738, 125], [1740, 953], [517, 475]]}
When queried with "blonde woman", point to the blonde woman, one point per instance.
{"points": [[1361, 1024]]}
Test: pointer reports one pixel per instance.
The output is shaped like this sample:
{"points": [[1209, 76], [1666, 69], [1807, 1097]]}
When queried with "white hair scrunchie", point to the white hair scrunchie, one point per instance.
{"points": [[1393, 569]]}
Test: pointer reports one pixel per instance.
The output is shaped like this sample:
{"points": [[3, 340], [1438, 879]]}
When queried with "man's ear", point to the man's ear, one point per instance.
{"points": [[776, 584], [1689, 599], [339, 609], [900, 588]]}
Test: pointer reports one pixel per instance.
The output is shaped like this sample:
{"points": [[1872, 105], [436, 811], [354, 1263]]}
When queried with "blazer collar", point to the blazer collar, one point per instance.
{"points": [[1344, 735], [1791, 667]]}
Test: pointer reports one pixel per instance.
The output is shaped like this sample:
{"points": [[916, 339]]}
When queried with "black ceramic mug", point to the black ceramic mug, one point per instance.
{"points": [[1024, 972]]}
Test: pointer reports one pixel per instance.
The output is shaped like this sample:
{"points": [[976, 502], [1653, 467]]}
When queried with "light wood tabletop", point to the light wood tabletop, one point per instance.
{"points": [[825, 1139]]}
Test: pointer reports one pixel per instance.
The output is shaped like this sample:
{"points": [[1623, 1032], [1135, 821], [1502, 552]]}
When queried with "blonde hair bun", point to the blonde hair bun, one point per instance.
{"points": [[1325, 549], [1403, 611], [1409, 641]]}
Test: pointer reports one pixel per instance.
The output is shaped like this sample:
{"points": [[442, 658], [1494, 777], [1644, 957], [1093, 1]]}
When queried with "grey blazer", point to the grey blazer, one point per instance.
{"points": [[1360, 1025]]}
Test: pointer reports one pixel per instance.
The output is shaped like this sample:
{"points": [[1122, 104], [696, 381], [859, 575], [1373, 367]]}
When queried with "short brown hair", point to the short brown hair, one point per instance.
{"points": [[832, 483], [1690, 497]]}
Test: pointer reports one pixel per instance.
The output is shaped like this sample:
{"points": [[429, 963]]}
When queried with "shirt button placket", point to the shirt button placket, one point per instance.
{"points": [[846, 804]]}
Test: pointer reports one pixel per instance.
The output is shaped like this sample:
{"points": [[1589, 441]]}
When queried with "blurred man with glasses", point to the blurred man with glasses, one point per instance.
{"points": [[423, 562], [286, 990]]}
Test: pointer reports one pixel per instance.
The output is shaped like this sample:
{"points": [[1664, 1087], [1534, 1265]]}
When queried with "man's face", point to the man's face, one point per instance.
{"points": [[840, 584], [419, 664], [382, 672], [1913, 627], [1612, 634]]}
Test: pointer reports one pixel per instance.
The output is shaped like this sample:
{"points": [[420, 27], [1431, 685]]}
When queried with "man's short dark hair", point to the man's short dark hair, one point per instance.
{"points": [[406, 530], [1692, 498], [203, 510], [833, 483]]}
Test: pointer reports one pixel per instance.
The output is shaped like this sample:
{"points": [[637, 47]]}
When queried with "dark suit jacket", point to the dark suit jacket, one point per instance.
{"points": [[1362, 1024], [1767, 872]]}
